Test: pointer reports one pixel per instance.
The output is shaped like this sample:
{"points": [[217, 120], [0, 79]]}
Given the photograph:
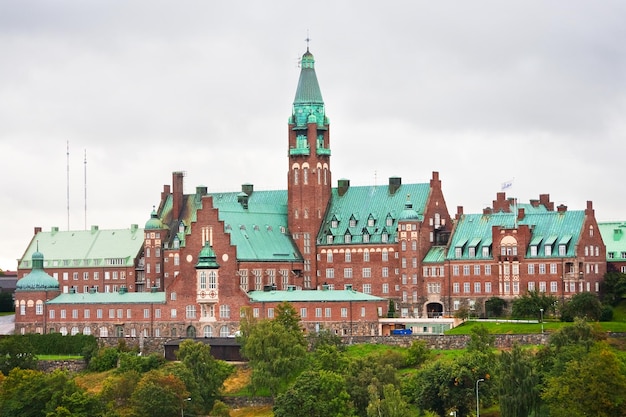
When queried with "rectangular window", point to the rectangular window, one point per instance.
{"points": [[385, 256], [385, 272], [111, 313], [553, 269], [51, 314], [476, 269], [330, 273], [347, 272], [173, 313], [303, 312], [367, 272], [477, 287], [466, 287], [455, 270], [542, 269], [488, 287], [456, 288], [318, 312], [270, 313], [327, 312], [329, 256], [487, 270], [531, 269], [75, 276], [553, 286], [531, 285], [542, 286], [366, 256], [99, 313], [367, 288], [344, 312], [157, 313], [96, 275], [385, 289], [86, 313]]}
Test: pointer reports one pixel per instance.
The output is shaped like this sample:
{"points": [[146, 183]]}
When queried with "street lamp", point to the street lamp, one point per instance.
{"points": [[541, 311], [477, 398], [182, 408]]}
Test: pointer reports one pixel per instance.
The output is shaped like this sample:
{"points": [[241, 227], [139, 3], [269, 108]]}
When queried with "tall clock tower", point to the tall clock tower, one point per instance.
{"points": [[309, 177]]}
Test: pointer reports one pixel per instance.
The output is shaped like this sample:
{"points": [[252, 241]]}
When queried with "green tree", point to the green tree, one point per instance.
{"points": [[117, 390], [584, 305], [480, 340], [276, 349], [518, 383], [531, 304], [365, 374], [208, 372], [6, 302], [16, 352], [494, 307], [315, 394], [613, 288], [391, 405], [418, 353], [593, 386], [158, 395]]}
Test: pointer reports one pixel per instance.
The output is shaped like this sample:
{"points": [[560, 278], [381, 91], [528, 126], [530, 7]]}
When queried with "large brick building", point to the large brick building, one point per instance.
{"points": [[339, 255]]}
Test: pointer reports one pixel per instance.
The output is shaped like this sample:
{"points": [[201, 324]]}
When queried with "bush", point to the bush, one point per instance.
{"points": [[129, 361], [104, 360]]}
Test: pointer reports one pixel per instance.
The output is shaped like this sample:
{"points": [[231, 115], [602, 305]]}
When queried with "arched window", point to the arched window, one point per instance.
{"points": [[224, 331], [74, 331], [212, 280], [63, 331], [87, 330], [207, 331], [191, 331], [203, 280], [305, 175], [296, 174], [104, 332]]}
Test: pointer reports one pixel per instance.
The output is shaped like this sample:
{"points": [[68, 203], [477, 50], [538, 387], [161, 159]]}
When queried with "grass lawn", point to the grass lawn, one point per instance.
{"points": [[528, 328], [58, 357]]}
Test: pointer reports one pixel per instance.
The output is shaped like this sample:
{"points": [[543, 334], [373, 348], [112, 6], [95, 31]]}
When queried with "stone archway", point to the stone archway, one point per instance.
{"points": [[191, 331], [434, 310]]}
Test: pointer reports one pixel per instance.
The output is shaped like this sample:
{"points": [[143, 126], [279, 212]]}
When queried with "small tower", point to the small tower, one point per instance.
{"points": [[207, 282], [309, 175], [31, 294]]}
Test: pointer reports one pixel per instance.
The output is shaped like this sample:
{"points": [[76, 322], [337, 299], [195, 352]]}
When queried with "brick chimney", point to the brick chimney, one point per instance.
{"points": [[459, 212], [520, 213], [177, 194], [343, 186], [544, 199], [562, 208], [394, 184]]}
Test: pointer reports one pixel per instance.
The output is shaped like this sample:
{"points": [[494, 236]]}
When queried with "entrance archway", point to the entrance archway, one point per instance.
{"points": [[434, 310], [191, 331]]}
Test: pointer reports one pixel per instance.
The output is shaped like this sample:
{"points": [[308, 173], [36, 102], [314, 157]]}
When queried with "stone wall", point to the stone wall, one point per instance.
{"points": [[73, 365], [445, 342]]}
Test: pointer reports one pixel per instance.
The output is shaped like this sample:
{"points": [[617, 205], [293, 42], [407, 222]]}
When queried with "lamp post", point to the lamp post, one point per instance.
{"points": [[477, 397], [541, 311], [182, 408]]}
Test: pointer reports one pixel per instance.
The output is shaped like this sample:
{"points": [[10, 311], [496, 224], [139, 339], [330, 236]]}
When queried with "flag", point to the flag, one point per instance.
{"points": [[507, 184]]}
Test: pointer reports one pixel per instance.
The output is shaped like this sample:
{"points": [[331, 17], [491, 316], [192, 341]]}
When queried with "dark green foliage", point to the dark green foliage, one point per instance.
{"points": [[208, 373], [495, 306], [390, 405], [418, 354], [16, 352], [324, 337], [159, 395], [220, 410], [118, 388], [391, 311], [6, 302], [607, 313], [130, 361], [316, 394], [29, 393], [613, 288], [530, 304], [104, 360], [584, 305], [480, 340], [365, 374], [518, 383], [57, 344]]}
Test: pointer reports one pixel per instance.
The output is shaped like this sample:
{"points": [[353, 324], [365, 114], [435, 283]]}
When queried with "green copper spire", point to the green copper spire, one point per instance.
{"points": [[308, 101]]}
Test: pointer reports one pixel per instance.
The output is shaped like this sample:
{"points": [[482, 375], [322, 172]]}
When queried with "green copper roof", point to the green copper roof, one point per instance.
{"points": [[257, 228], [110, 298], [308, 105], [475, 230], [310, 296], [436, 254], [37, 279], [207, 258], [614, 237], [154, 223], [353, 213], [86, 248]]}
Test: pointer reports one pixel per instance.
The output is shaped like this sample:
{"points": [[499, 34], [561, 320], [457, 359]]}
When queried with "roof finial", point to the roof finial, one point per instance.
{"points": [[307, 40]]}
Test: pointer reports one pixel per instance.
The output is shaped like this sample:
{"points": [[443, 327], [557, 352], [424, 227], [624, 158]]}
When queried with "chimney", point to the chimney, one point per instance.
{"points": [[37, 229], [562, 208], [342, 187], [435, 180], [544, 199], [166, 192], [520, 213], [242, 198], [94, 229], [459, 212], [248, 189], [534, 203], [487, 210], [201, 190], [589, 210], [394, 184], [501, 203], [177, 203]]}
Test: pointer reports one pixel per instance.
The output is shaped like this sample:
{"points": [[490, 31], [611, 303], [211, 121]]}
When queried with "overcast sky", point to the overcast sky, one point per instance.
{"points": [[481, 91]]}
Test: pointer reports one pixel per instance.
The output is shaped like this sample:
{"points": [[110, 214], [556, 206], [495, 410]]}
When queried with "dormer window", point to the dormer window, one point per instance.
{"points": [[181, 227], [334, 223], [352, 221], [347, 238], [329, 239], [384, 237], [366, 236], [371, 221]]}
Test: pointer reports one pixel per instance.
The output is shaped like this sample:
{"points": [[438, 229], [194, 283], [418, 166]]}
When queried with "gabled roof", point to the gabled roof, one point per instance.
{"points": [[362, 201], [259, 232], [548, 227], [614, 237], [86, 248]]}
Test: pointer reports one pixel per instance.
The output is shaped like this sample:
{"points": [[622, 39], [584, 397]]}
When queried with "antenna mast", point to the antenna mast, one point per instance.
{"points": [[68, 184], [85, 189]]}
